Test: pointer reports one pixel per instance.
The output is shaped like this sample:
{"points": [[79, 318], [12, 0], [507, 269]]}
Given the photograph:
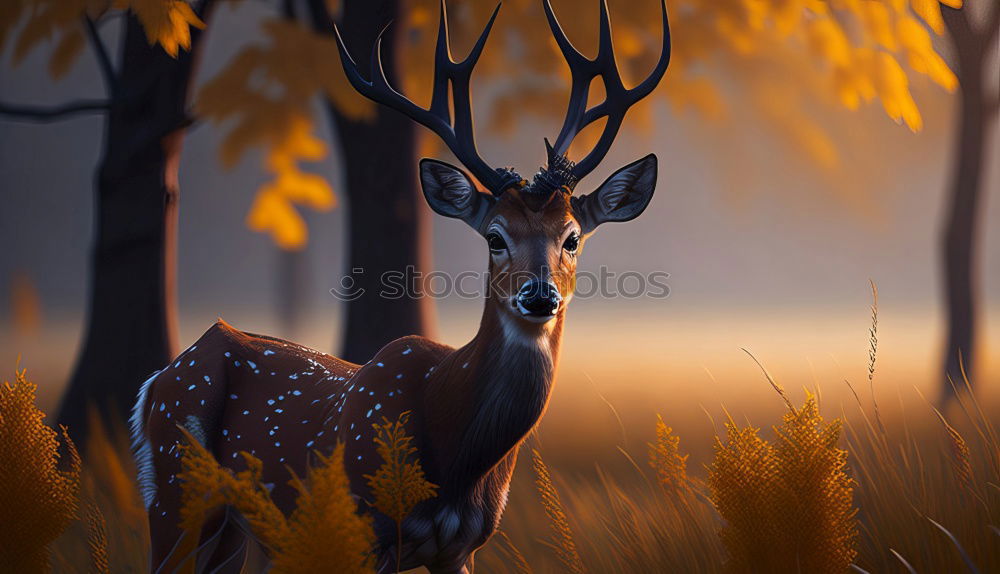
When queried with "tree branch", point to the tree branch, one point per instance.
{"points": [[103, 59], [47, 114]]}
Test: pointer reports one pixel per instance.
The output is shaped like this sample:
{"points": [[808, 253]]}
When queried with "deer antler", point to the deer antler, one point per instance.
{"points": [[459, 136], [618, 98]]}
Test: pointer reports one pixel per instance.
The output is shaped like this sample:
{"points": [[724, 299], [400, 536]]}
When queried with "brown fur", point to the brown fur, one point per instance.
{"points": [[472, 406]]}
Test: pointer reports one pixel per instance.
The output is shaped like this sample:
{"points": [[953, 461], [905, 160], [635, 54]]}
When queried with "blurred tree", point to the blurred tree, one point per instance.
{"points": [[130, 324], [974, 46]]}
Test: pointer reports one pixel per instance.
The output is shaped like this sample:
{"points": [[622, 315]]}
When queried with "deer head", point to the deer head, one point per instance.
{"points": [[534, 230]]}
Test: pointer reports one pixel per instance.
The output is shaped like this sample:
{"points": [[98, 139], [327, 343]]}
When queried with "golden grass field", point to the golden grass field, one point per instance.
{"points": [[801, 479], [925, 492]]}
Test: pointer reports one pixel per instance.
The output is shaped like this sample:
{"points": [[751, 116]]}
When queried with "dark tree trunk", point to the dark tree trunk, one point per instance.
{"points": [[389, 222], [960, 234], [131, 324]]}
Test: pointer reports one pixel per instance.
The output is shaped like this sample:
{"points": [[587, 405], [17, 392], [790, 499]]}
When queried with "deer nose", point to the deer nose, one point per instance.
{"points": [[538, 298]]}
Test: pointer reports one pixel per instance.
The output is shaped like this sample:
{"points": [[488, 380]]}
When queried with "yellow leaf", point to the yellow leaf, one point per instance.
{"points": [[166, 22], [894, 91], [37, 30], [921, 54], [930, 12], [11, 13], [829, 41], [273, 214], [65, 53], [879, 22]]}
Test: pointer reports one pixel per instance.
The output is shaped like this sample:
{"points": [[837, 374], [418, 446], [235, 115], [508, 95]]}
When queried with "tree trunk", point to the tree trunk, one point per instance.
{"points": [[389, 222], [131, 322], [959, 247]]}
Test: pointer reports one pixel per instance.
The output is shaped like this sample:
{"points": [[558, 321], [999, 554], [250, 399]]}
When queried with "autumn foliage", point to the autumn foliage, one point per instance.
{"points": [[666, 459], [843, 53], [264, 97], [788, 505], [38, 499], [323, 529]]}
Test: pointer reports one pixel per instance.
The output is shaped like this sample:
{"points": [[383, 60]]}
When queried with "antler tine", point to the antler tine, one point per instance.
{"points": [[442, 53], [459, 137], [580, 83], [618, 99], [462, 90]]}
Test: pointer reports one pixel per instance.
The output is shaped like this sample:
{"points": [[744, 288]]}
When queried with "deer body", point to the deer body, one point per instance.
{"points": [[470, 407], [282, 402]]}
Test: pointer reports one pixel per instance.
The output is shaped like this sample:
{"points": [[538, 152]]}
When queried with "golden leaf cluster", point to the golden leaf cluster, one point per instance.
{"points": [[561, 541], [841, 52], [324, 528], [265, 95], [399, 483], [846, 52], [787, 505], [48, 20], [666, 459], [165, 22], [97, 540], [38, 500]]}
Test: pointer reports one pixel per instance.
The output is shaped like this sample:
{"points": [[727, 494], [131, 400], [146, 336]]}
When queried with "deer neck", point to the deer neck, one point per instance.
{"points": [[488, 395]]}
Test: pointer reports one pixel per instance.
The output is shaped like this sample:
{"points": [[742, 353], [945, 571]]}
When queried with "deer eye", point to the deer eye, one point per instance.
{"points": [[572, 243], [496, 242]]}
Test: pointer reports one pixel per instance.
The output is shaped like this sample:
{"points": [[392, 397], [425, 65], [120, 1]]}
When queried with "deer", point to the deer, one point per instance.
{"points": [[471, 407]]}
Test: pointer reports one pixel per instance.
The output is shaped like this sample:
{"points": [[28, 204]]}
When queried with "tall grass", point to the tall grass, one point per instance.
{"points": [[788, 505], [924, 483], [38, 500], [399, 483], [929, 498], [322, 532]]}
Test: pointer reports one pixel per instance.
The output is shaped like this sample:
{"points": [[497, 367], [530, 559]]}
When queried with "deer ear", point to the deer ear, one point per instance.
{"points": [[451, 193], [622, 197]]}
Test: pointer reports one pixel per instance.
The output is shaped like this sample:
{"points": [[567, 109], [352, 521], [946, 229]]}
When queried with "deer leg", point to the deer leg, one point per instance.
{"points": [[223, 546], [457, 566]]}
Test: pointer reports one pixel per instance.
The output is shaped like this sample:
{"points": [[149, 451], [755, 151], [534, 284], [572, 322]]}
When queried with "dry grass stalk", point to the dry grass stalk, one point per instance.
{"points": [[399, 483], [667, 461], [515, 559], [774, 384], [562, 536], [873, 355], [97, 540], [961, 464], [788, 506], [37, 499], [109, 467], [324, 528]]}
